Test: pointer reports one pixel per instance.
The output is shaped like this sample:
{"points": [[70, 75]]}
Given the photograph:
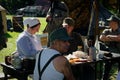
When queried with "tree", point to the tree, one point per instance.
{"points": [[13, 5]]}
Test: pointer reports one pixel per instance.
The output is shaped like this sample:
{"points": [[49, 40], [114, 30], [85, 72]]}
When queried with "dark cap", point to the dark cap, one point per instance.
{"points": [[59, 34], [68, 21], [113, 18]]}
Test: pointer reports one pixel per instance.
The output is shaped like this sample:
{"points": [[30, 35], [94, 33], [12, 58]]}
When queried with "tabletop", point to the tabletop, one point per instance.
{"points": [[84, 69]]}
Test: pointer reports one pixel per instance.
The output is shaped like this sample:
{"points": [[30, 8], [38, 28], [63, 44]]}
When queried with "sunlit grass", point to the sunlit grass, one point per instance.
{"points": [[42, 20], [11, 45], [12, 36]]}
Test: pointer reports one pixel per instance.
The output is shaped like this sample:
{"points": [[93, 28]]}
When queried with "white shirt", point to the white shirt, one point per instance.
{"points": [[118, 76], [50, 72], [27, 45]]}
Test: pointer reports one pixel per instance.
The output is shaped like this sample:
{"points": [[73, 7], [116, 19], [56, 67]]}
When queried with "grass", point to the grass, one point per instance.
{"points": [[11, 45], [12, 36]]}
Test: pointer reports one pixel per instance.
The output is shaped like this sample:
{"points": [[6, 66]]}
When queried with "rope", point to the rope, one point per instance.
{"points": [[19, 25]]}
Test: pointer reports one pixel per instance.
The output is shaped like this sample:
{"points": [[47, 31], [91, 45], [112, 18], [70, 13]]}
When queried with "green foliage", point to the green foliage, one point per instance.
{"points": [[11, 46], [13, 5], [112, 6]]}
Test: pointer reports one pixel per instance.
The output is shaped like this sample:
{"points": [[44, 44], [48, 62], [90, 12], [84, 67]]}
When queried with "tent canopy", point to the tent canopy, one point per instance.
{"points": [[2, 9]]}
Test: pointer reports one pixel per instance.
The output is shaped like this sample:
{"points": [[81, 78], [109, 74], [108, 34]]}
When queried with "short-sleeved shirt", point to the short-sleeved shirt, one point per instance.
{"points": [[113, 45], [75, 41]]}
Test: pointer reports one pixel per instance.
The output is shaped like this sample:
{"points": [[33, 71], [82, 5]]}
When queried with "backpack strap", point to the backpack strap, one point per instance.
{"points": [[39, 61], [45, 66]]}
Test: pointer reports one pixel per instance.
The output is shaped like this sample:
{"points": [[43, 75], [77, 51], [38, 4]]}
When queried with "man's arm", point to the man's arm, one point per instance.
{"points": [[67, 70], [110, 38], [62, 65], [114, 37], [48, 16]]}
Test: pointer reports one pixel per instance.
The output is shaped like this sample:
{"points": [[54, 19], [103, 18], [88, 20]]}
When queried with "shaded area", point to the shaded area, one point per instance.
{"points": [[2, 34], [80, 12], [83, 72], [8, 35]]}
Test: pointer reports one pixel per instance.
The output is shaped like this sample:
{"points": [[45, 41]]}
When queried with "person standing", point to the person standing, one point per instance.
{"points": [[76, 39], [59, 68], [111, 38], [57, 12]]}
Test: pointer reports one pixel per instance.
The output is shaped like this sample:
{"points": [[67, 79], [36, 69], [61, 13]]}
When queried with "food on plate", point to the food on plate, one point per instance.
{"points": [[77, 56], [74, 60], [80, 54]]}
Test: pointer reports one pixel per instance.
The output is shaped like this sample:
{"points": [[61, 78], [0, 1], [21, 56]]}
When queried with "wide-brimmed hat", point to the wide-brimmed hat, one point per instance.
{"points": [[31, 22], [59, 34], [113, 18]]}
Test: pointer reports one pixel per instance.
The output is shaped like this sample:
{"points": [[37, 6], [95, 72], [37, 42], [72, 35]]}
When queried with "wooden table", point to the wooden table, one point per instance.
{"points": [[19, 74], [81, 71], [88, 70]]}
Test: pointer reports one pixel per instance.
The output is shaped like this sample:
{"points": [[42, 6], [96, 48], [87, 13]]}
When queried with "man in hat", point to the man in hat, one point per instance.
{"points": [[111, 38], [59, 67], [76, 43], [76, 40]]}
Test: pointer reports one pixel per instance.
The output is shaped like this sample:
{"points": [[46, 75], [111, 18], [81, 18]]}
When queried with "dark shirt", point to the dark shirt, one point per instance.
{"points": [[75, 41], [112, 45], [58, 11]]}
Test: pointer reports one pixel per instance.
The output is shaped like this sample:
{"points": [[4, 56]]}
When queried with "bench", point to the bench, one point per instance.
{"points": [[20, 74]]}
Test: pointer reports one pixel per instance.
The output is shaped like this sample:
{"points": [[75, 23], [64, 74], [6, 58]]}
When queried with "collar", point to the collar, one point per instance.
{"points": [[28, 34]]}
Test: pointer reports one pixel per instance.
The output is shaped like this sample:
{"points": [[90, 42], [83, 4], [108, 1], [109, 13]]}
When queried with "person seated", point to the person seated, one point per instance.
{"points": [[76, 43], [27, 43], [76, 40], [59, 68]]}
